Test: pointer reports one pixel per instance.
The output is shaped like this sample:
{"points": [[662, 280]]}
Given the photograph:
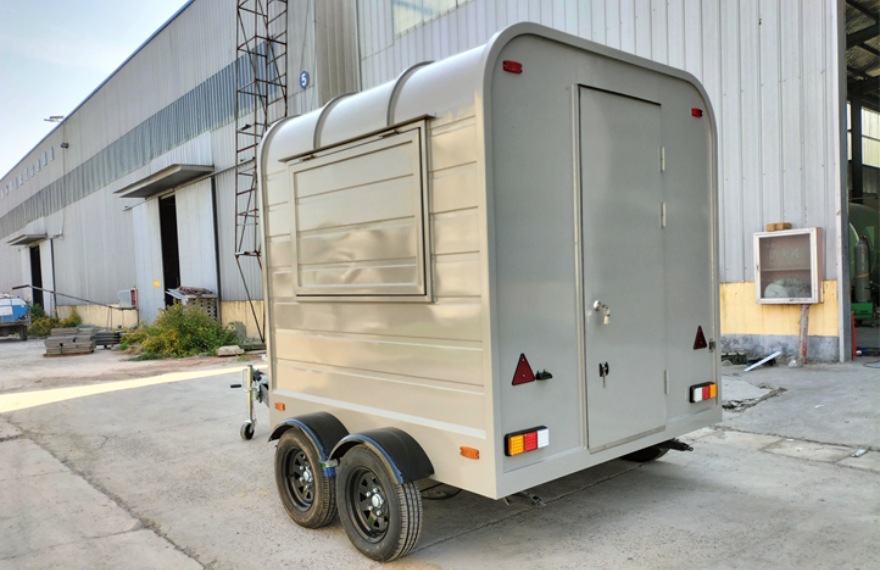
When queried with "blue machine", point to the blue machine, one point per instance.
{"points": [[14, 316]]}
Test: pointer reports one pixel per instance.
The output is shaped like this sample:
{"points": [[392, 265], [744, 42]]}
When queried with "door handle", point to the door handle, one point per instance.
{"points": [[601, 307]]}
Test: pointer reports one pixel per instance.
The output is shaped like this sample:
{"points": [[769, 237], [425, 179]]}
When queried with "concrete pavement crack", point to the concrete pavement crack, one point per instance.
{"points": [[789, 438], [141, 522], [742, 405]]}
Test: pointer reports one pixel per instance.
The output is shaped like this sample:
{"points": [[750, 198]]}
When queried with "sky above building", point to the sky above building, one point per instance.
{"points": [[55, 53]]}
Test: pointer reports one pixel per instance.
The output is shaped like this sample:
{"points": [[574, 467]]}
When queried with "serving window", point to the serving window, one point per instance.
{"points": [[360, 226]]}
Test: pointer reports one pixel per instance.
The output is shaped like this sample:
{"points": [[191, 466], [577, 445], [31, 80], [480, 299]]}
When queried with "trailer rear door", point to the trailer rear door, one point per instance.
{"points": [[623, 270]]}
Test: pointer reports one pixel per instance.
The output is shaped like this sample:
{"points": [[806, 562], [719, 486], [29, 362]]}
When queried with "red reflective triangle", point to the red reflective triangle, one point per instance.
{"points": [[523, 372], [700, 341]]}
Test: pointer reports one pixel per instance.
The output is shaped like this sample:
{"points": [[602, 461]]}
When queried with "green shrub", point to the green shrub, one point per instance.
{"points": [[42, 325], [36, 310], [178, 332], [73, 321]]}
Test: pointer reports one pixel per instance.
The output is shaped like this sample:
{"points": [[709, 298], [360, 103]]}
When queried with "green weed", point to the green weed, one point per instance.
{"points": [[179, 331], [42, 325]]}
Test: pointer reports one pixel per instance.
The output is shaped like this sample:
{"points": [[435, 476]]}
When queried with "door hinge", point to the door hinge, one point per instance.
{"points": [[711, 346], [662, 159], [666, 381]]}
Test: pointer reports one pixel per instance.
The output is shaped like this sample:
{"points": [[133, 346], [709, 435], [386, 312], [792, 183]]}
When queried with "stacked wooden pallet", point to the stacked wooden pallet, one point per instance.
{"points": [[70, 341]]}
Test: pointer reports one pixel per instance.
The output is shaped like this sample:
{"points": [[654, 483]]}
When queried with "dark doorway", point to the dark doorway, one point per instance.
{"points": [[170, 249], [37, 276]]}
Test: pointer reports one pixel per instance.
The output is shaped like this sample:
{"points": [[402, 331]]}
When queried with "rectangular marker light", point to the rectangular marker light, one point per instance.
{"points": [[702, 392], [520, 442]]}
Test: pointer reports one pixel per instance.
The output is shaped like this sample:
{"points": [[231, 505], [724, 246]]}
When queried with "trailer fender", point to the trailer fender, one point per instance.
{"points": [[323, 429], [405, 458]]}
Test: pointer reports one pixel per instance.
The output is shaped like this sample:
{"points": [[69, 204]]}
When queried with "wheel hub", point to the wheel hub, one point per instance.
{"points": [[302, 480], [370, 513], [376, 500], [306, 474]]}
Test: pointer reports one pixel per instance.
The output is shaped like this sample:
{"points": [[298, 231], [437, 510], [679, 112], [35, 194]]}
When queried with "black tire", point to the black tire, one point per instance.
{"points": [[382, 518], [247, 430], [307, 494], [646, 455]]}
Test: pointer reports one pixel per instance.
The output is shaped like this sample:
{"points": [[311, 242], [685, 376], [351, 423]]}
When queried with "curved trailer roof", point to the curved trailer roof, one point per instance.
{"points": [[425, 89]]}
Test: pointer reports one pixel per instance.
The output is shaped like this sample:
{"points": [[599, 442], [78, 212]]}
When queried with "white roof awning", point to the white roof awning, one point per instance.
{"points": [[170, 177]]}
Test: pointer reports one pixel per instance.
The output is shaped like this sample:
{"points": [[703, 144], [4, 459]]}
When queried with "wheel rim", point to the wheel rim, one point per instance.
{"points": [[300, 479], [369, 505]]}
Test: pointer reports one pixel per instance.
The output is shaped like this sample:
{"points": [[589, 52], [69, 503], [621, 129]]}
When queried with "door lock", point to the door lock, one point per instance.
{"points": [[601, 307]]}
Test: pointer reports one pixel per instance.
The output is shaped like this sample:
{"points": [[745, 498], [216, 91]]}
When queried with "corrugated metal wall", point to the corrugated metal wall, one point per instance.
{"points": [[195, 235], [198, 111], [47, 262], [148, 257], [192, 49], [93, 253], [336, 52], [322, 41], [146, 116], [140, 97], [771, 68], [11, 275], [301, 56], [232, 285]]}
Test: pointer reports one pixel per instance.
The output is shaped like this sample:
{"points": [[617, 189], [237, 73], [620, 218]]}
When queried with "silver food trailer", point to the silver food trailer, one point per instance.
{"points": [[495, 271]]}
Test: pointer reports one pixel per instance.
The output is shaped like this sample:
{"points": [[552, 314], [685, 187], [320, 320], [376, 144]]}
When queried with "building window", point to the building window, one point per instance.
{"points": [[408, 14]]}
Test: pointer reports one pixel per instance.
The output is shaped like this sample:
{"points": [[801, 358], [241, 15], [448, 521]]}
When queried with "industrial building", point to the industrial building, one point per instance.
{"points": [[148, 185]]}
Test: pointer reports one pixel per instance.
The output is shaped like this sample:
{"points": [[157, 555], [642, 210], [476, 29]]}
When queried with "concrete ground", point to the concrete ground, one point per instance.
{"points": [[132, 470]]}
